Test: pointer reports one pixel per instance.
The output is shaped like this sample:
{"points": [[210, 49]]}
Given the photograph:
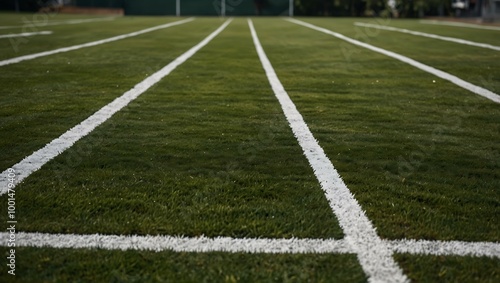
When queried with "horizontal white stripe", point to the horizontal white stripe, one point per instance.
{"points": [[451, 78], [446, 248], [433, 36], [89, 44], [373, 254], [455, 24], [31, 24], [244, 245], [71, 22], [24, 34], [178, 244], [36, 160]]}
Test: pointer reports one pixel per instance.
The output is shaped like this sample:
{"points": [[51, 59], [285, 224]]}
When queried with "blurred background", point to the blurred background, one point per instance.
{"points": [[488, 10]]}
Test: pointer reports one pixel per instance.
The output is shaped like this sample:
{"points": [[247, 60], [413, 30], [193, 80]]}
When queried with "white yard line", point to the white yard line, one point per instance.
{"points": [[69, 22], [373, 253], [178, 243], [446, 76], [24, 34], [36, 160], [245, 245], [446, 248], [89, 44], [429, 35], [455, 24], [29, 24]]}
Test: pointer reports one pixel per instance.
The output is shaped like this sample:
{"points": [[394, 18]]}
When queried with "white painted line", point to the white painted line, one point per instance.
{"points": [[429, 35], [446, 248], [455, 24], [246, 245], [446, 76], [71, 22], [373, 254], [36, 160], [28, 24], [178, 243], [89, 44], [24, 34]]}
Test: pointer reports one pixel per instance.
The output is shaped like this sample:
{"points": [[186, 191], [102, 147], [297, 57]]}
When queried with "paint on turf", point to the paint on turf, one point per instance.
{"points": [[429, 35], [373, 254], [457, 24], [39, 158], [180, 243], [24, 34], [246, 245], [446, 76], [89, 44], [28, 23]]}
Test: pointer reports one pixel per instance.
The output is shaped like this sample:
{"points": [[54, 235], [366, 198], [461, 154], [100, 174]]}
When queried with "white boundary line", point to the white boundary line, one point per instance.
{"points": [[70, 22], [25, 34], [57, 23], [36, 160], [322, 168], [178, 244], [373, 254], [245, 245], [446, 248], [454, 24], [446, 76], [89, 44], [429, 35]]}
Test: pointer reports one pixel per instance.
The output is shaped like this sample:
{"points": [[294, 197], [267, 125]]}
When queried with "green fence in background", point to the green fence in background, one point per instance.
{"points": [[99, 3], [149, 7], [191, 7]]}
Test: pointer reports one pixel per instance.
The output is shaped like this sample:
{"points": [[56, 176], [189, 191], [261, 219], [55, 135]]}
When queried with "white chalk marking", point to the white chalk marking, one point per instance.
{"points": [[36, 160], [31, 24], [178, 243], [429, 35], [446, 248], [373, 254], [69, 22], [89, 44], [446, 76], [455, 24], [246, 245], [24, 34]]}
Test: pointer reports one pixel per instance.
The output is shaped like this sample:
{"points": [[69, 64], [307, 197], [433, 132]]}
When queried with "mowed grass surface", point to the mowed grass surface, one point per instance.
{"points": [[449, 268], [421, 157], [207, 151], [43, 98], [70, 265]]}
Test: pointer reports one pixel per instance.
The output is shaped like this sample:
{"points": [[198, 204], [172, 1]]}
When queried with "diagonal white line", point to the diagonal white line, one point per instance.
{"points": [[178, 243], [24, 34], [72, 22], [36, 160], [429, 35], [28, 24], [374, 254], [456, 80], [89, 44], [455, 24]]}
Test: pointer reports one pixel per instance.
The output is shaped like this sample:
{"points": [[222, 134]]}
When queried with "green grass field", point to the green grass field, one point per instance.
{"points": [[208, 152]]}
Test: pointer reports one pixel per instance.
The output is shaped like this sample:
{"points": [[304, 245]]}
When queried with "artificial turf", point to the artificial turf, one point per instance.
{"points": [[207, 151]]}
